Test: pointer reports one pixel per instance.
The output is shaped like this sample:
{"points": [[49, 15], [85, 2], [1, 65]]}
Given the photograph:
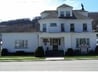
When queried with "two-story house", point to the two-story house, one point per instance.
{"points": [[60, 29], [66, 28]]}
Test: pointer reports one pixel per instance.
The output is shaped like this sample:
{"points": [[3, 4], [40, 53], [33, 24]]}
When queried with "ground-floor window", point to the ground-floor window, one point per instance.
{"points": [[82, 42], [21, 43]]}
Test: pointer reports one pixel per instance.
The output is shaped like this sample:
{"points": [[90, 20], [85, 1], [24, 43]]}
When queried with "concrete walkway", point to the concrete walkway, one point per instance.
{"points": [[54, 58]]}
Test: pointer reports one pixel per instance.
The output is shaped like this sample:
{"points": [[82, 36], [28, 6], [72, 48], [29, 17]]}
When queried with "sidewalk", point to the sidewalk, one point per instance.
{"points": [[54, 58]]}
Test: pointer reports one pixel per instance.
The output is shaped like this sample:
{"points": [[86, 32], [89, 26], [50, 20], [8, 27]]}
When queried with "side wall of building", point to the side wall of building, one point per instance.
{"points": [[10, 38], [78, 25]]}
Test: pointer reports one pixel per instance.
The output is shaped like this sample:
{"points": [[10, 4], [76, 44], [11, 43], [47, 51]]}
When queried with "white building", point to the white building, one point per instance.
{"points": [[60, 29]]}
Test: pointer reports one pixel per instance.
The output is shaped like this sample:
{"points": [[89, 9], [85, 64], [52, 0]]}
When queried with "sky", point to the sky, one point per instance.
{"points": [[17, 9]]}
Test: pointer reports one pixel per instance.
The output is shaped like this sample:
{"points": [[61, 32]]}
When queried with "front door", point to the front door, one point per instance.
{"points": [[55, 44]]}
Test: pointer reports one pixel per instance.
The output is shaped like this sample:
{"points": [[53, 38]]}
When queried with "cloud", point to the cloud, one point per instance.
{"points": [[13, 9]]}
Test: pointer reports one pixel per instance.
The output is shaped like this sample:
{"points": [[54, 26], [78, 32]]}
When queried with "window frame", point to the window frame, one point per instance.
{"points": [[80, 41], [67, 13], [84, 27], [72, 27], [53, 24], [21, 44], [62, 14], [62, 27], [44, 28]]}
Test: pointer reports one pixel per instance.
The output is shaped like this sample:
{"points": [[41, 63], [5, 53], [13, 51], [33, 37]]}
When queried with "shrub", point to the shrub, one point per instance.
{"points": [[96, 50], [77, 52], [69, 52], [4, 52], [39, 52], [91, 52], [20, 53]]}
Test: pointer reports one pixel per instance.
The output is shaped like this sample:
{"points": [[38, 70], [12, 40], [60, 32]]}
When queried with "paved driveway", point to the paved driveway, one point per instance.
{"points": [[75, 65]]}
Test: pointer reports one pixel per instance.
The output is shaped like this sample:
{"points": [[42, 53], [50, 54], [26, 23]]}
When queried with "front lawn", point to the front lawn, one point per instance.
{"points": [[81, 57], [20, 58]]}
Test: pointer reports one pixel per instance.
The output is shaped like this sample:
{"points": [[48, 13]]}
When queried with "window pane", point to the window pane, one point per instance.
{"points": [[21, 44], [72, 27], [44, 27], [62, 14], [67, 13], [84, 27], [53, 24], [62, 27]]}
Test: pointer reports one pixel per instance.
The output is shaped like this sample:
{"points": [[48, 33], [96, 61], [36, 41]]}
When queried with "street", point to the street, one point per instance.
{"points": [[74, 65]]}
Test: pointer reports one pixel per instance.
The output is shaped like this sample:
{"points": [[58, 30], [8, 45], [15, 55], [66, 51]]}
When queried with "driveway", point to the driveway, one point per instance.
{"points": [[75, 65]]}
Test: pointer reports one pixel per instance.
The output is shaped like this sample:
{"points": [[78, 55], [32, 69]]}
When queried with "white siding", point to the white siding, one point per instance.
{"points": [[77, 23], [9, 41], [70, 39], [91, 36]]}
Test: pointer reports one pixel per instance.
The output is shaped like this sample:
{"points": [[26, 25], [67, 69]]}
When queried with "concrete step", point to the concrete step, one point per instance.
{"points": [[54, 58]]}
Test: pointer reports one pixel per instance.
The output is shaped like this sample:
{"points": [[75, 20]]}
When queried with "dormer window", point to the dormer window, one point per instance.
{"points": [[67, 13], [61, 13]]}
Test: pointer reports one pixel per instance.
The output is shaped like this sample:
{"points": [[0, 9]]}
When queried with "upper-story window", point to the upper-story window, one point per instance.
{"points": [[61, 13], [53, 25], [84, 27], [97, 35], [67, 13], [62, 27], [72, 28], [44, 28]]}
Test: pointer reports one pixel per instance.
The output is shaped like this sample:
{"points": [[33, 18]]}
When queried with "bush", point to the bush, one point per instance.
{"points": [[39, 52], [4, 52], [20, 53], [77, 52], [69, 52], [91, 52], [96, 50]]}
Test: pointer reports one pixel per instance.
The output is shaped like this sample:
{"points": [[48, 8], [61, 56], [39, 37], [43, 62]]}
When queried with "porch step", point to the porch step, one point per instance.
{"points": [[51, 53]]}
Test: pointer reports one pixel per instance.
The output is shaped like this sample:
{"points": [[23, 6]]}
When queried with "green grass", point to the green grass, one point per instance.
{"points": [[32, 58], [81, 57], [20, 58]]}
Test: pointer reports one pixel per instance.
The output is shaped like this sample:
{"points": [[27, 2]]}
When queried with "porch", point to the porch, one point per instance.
{"points": [[54, 44], [53, 47]]}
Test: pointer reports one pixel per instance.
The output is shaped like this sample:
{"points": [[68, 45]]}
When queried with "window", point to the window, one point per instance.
{"points": [[21, 43], [67, 13], [44, 27], [82, 41], [45, 41], [71, 27], [53, 24], [97, 35], [62, 27], [84, 27], [62, 14]]}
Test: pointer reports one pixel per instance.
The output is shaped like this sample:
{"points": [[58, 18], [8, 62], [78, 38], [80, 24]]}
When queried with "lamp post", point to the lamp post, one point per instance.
{"points": [[0, 48]]}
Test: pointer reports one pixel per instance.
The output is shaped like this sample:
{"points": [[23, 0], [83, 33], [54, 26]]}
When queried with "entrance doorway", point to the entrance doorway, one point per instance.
{"points": [[55, 42]]}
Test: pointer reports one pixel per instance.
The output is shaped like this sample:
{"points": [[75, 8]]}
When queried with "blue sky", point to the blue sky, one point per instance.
{"points": [[90, 5], [15, 9]]}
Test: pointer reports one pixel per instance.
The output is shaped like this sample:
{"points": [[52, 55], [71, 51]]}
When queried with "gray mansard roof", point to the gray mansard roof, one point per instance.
{"points": [[76, 15]]}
